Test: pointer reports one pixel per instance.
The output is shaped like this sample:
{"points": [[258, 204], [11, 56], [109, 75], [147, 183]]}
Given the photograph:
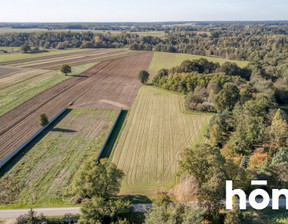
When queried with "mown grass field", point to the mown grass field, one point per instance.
{"points": [[18, 55], [157, 130], [44, 169], [168, 60], [20, 87]]}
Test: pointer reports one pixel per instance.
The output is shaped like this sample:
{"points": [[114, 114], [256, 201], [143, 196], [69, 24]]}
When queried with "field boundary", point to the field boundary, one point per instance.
{"points": [[109, 135], [9, 157]]}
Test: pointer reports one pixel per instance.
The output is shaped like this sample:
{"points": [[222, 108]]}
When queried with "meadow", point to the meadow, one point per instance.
{"points": [[20, 87], [156, 131], [44, 169], [168, 60]]}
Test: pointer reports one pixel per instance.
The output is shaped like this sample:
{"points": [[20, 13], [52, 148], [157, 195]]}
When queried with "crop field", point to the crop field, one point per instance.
{"points": [[45, 168], [157, 130], [20, 56], [17, 89], [168, 60], [119, 85], [72, 59], [21, 122]]}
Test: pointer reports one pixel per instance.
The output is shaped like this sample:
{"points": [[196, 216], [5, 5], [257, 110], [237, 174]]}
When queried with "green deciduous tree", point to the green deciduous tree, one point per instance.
{"points": [[279, 130], [43, 119], [143, 76], [227, 97], [206, 164], [97, 179], [100, 210], [25, 48], [234, 216], [230, 69], [66, 69]]}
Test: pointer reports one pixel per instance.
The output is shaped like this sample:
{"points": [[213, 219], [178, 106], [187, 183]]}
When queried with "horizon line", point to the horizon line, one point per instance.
{"points": [[175, 21]]}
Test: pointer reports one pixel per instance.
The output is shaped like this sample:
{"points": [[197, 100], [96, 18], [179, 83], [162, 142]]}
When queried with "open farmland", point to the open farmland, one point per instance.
{"points": [[20, 123], [168, 60], [156, 132], [4, 71], [78, 57], [20, 87], [31, 30], [6, 58], [72, 59], [45, 168], [119, 85]]}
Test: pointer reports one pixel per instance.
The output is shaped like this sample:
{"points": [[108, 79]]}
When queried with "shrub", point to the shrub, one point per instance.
{"points": [[143, 76], [43, 119]]}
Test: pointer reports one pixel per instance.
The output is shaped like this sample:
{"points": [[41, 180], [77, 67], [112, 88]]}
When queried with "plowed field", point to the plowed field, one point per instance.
{"points": [[20, 123]]}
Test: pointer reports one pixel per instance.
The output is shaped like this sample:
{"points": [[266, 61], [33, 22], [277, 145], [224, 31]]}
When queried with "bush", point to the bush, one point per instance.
{"points": [[66, 69], [43, 119], [143, 76]]}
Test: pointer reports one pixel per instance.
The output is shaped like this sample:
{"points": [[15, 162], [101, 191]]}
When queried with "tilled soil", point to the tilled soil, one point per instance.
{"points": [[112, 81]]}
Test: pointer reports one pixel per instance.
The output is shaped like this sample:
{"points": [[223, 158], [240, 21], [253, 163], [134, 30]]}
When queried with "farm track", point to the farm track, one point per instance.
{"points": [[20, 123]]}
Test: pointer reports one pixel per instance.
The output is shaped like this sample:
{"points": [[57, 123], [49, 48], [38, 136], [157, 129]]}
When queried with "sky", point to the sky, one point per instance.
{"points": [[141, 11]]}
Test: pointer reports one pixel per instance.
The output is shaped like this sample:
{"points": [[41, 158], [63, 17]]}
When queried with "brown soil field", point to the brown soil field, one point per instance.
{"points": [[119, 86], [71, 60], [23, 121], [4, 71]]}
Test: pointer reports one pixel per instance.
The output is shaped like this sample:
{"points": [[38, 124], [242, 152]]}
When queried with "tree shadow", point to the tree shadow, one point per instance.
{"points": [[4, 169], [137, 199], [114, 135], [83, 76], [63, 130]]}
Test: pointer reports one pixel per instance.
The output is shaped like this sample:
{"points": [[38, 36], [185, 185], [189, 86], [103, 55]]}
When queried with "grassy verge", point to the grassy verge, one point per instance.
{"points": [[19, 93], [154, 135], [44, 169]]}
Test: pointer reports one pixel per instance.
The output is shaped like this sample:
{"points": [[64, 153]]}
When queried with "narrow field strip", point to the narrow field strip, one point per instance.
{"points": [[156, 132]]}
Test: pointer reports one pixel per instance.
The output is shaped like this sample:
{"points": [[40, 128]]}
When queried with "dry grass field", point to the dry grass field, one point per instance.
{"points": [[157, 130], [45, 168]]}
